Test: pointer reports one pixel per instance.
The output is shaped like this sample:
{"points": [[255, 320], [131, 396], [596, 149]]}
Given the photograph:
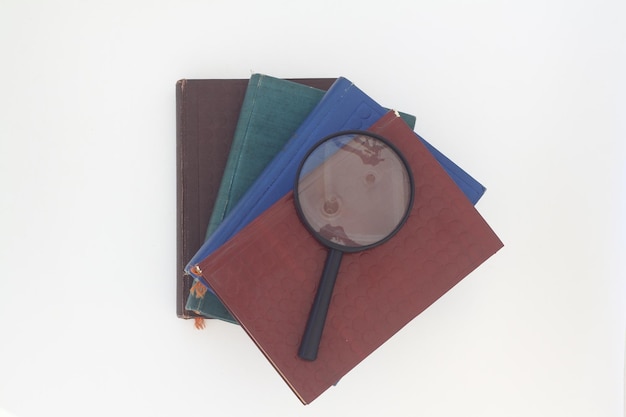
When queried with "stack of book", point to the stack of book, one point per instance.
{"points": [[244, 255]]}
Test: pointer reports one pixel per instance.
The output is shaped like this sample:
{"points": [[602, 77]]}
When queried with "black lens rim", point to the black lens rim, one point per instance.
{"points": [[316, 234]]}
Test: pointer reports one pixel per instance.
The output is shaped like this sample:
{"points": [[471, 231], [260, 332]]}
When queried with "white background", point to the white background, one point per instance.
{"points": [[528, 96]]}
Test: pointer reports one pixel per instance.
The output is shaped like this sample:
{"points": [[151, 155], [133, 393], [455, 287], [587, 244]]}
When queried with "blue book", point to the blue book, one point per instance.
{"points": [[343, 107]]}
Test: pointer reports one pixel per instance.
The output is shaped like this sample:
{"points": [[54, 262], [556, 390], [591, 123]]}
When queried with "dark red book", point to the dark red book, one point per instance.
{"points": [[268, 273], [207, 111]]}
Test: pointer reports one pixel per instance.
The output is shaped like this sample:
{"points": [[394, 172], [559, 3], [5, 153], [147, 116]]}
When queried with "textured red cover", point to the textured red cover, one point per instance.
{"points": [[268, 273]]}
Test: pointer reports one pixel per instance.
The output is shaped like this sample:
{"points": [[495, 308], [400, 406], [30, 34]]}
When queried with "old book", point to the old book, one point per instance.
{"points": [[271, 112], [267, 274], [206, 117], [207, 112]]}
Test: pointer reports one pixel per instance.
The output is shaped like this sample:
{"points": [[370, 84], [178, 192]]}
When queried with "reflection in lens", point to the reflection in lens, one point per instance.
{"points": [[358, 191]]}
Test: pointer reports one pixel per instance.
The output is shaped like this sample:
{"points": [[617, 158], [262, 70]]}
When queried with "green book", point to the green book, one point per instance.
{"points": [[272, 111]]}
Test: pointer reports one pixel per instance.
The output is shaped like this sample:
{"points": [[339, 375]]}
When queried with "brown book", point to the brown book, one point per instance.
{"points": [[267, 274], [207, 111]]}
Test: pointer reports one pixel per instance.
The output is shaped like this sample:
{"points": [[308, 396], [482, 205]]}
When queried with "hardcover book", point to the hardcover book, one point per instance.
{"points": [[207, 112], [267, 274], [271, 112], [206, 116]]}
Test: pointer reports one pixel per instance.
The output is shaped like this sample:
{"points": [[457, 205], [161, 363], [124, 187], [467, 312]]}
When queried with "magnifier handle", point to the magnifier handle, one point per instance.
{"points": [[317, 317]]}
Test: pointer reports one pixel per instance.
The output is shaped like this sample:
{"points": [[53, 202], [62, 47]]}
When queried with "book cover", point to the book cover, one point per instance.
{"points": [[267, 274], [207, 112], [206, 117], [271, 112], [343, 107]]}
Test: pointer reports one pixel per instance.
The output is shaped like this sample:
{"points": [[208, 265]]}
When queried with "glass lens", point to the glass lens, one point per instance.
{"points": [[354, 191]]}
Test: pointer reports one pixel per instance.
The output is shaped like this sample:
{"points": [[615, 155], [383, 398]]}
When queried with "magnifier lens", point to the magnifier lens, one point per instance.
{"points": [[353, 191]]}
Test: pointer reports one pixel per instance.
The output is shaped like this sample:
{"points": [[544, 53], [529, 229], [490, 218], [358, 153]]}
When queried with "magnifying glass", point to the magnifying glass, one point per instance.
{"points": [[353, 191]]}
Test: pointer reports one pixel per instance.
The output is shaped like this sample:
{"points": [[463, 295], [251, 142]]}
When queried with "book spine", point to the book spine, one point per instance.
{"points": [[183, 281]]}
